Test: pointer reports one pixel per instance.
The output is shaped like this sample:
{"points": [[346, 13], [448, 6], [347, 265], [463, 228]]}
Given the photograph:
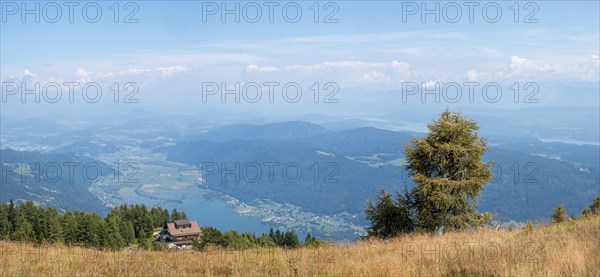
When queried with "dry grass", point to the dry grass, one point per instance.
{"points": [[569, 249]]}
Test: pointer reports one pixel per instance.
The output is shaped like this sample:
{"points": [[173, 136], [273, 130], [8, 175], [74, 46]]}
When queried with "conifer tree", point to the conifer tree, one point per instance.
{"points": [[592, 209], [389, 218], [54, 228], [449, 173], [560, 214], [5, 225], [23, 230]]}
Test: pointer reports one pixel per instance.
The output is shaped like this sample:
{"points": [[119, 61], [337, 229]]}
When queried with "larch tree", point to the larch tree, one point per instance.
{"points": [[448, 170]]}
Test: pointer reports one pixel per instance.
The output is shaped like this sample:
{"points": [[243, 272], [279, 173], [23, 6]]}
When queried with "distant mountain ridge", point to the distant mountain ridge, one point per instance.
{"points": [[276, 131]]}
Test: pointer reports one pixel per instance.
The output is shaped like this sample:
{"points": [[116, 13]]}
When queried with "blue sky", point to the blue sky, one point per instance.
{"points": [[170, 49]]}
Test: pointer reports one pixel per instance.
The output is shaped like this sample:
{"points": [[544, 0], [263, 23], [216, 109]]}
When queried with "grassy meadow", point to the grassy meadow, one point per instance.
{"points": [[566, 249]]}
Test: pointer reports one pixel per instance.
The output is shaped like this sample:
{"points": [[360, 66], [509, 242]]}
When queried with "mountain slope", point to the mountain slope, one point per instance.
{"points": [[526, 185], [57, 180]]}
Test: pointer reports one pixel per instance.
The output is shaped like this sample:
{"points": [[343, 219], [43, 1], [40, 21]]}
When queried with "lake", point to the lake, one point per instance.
{"points": [[207, 211]]}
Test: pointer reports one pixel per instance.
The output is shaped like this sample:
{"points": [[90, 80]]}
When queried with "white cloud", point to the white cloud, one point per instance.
{"points": [[28, 73], [518, 63], [355, 73], [403, 68], [256, 68], [429, 84], [134, 71], [472, 75], [520, 68], [167, 71], [375, 76], [103, 75], [162, 71], [339, 66], [81, 73]]}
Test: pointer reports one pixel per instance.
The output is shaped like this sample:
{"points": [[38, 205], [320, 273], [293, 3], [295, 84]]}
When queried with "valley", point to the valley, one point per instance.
{"points": [[211, 172]]}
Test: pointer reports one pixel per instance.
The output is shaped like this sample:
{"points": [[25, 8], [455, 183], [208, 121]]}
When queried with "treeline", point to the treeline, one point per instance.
{"points": [[560, 213], [236, 241], [125, 225]]}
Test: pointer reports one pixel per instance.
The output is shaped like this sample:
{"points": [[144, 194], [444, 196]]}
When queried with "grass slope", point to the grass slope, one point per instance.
{"points": [[568, 249]]}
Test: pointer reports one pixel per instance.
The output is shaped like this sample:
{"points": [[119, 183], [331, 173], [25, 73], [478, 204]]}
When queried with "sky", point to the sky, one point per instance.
{"points": [[355, 51]]}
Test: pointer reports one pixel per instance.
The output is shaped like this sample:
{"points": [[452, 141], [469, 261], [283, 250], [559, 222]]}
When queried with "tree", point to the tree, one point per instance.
{"points": [[560, 214], [211, 235], [144, 242], [12, 216], [196, 245], [265, 241], [449, 173], [594, 208], [54, 232], [311, 241], [277, 237], [389, 218], [23, 230], [175, 215], [127, 232], [69, 227], [114, 239], [5, 225], [291, 240]]}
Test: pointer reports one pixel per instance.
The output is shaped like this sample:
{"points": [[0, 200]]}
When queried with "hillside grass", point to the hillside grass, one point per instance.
{"points": [[566, 249]]}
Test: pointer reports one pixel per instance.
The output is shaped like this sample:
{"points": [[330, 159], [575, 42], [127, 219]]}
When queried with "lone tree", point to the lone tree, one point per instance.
{"points": [[449, 173], [448, 170], [560, 214]]}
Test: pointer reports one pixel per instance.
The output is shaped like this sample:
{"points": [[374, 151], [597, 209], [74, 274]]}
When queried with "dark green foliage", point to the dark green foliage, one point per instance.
{"points": [[560, 214], [311, 241], [196, 245], [265, 241], [236, 241], [593, 209], [389, 218], [287, 239], [212, 236], [125, 225], [5, 222], [175, 215], [54, 228], [449, 173], [291, 240]]}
